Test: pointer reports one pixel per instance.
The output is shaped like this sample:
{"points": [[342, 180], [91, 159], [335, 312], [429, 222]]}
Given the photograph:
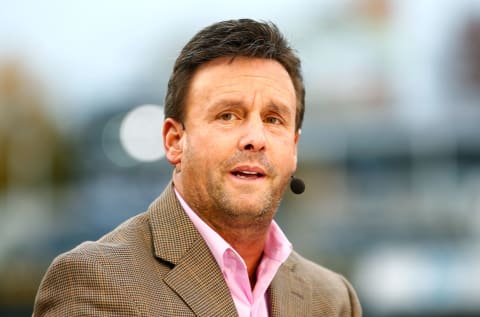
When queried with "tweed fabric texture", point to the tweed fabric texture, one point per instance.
{"points": [[157, 264]]}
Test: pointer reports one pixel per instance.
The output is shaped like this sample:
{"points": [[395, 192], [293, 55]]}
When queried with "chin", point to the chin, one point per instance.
{"points": [[253, 206], [252, 200]]}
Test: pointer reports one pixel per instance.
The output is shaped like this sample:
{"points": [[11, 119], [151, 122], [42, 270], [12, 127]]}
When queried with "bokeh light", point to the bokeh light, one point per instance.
{"points": [[141, 133]]}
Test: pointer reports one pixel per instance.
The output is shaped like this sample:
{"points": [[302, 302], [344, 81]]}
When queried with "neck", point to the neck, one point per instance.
{"points": [[246, 233], [249, 243]]}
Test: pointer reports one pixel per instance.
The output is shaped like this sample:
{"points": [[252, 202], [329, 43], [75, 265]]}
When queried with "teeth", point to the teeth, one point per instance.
{"points": [[246, 174]]}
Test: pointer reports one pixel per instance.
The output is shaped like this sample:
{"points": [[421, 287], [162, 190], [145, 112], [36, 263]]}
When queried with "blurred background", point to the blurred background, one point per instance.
{"points": [[390, 149]]}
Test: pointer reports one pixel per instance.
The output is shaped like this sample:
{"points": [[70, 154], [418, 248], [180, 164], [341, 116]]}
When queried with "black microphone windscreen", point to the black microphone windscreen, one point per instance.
{"points": [[297, 185]]}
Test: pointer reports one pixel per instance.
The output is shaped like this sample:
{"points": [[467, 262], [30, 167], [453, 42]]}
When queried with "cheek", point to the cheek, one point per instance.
{"points": [[198, 152], [287, 155], [213, 144]]}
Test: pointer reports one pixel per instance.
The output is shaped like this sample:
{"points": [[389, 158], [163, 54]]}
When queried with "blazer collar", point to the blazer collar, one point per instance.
{"points": [[172, 231], [196, 276], [290, 295]]}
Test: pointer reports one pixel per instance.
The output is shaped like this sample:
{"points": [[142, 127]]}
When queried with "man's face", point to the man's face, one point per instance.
{"points": [[238, 149]]}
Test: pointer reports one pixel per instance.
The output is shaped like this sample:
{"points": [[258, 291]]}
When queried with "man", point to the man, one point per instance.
{"points": [[208, 246]]}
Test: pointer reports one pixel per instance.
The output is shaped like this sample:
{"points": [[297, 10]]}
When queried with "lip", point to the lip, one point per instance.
{"points": [[247, 172]]}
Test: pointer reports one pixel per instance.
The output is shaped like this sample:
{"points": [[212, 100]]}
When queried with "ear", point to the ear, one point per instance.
{"points": [[295, 140], [297, 136], [173, 140]]}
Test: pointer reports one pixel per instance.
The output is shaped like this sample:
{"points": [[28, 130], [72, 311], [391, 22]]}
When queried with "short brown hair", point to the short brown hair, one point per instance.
{"points": [[242, 37]]}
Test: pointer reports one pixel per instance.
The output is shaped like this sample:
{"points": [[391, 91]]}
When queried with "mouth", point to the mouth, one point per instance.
{"points": [[248, 173]]}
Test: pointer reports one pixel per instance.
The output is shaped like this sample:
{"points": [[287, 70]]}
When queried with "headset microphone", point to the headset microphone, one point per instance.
{"points": [[297, 186]]}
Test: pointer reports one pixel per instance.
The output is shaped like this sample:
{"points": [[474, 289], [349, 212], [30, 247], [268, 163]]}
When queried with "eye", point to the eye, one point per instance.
{"points": [[227, 116], [273, 120]]}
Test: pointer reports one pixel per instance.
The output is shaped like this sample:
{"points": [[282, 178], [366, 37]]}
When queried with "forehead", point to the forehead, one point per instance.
{"points": [[240, 76]]}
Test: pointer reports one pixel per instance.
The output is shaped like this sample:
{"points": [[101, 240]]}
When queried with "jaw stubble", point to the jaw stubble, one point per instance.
{"points": [[219, 207]]}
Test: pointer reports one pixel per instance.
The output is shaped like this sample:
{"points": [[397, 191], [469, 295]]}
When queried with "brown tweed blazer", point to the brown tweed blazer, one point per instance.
{"points": [[157, 264]]}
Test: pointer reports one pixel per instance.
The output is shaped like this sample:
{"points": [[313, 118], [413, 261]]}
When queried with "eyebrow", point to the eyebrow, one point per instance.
{"points": [[233, 102], [223, 103], [279, 108]]}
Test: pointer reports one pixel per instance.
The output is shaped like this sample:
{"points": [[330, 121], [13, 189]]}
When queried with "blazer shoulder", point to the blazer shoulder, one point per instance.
{"points": [[310, 269], [326, 285], [77, 283], [130, 237]]}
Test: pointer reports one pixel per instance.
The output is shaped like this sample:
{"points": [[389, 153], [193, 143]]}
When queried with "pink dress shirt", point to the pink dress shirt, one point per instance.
{"points": [[277, 249]]}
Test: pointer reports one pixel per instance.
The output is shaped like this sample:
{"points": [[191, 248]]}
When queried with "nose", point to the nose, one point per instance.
{"points": [[253, 136]]}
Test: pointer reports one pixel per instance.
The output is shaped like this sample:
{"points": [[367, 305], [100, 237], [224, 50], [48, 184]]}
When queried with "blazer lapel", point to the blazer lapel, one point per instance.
{"points": [[199, 281], [289, 294], [196, 276]]}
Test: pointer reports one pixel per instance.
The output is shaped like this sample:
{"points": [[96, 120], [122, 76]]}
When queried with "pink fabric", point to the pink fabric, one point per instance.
{"points": [[277, 249]]}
